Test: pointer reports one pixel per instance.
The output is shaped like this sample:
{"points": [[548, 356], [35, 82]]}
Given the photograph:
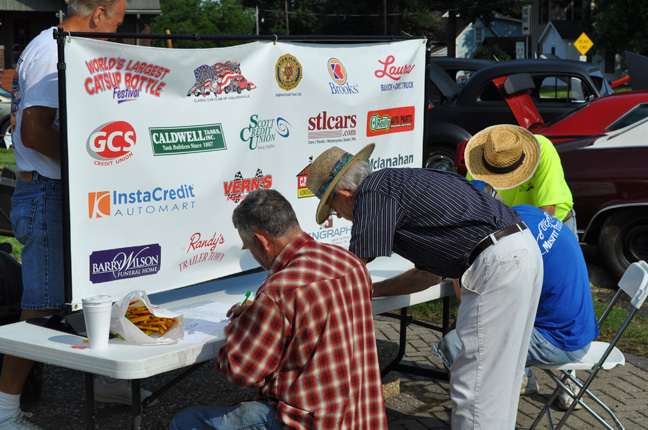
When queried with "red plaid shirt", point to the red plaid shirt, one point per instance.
{"points": [[308, 341]]}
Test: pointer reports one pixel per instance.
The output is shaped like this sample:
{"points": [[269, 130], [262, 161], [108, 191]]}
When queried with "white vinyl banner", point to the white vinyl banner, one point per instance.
{"points": [[164, 143]]}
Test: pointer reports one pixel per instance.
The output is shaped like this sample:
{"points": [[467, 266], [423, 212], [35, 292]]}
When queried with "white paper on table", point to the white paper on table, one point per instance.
{"points": [[211, 311], [197, 330]]}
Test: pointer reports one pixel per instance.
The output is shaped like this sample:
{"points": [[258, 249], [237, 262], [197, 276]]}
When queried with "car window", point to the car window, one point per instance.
{"points": [[564, 89], [638, 113], [600, 82], [4, 93]]}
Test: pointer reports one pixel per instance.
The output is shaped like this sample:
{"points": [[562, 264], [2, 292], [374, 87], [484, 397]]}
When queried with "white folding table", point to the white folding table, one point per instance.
{"points": [[123, 360]]}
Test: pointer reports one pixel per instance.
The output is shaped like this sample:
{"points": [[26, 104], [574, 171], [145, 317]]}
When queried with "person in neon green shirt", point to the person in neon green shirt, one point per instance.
{"points": [[523, 168]]}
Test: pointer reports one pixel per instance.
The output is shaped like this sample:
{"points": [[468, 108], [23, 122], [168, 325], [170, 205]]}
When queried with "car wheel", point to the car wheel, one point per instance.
{"points": [[439, 158], [623, 240]]}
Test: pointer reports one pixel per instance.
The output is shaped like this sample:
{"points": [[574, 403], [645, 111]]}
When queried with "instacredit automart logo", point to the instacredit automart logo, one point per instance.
{"points": [[111, 143], [141, 202]]}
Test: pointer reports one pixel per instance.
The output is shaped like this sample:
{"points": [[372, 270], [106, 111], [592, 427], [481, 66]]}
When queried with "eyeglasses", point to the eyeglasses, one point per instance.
{"points": [[332, 212]]}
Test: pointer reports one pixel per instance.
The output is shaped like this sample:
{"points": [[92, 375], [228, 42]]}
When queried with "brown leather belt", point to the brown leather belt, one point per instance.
{"points": [[498, 235], [25, 176], [569, 215]]}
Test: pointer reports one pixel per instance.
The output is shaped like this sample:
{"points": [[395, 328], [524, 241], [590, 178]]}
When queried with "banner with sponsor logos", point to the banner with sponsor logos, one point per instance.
{"points": [[164, 143]]}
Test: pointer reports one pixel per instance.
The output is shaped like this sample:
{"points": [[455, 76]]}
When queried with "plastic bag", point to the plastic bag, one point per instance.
{"points": [[123, 328]]}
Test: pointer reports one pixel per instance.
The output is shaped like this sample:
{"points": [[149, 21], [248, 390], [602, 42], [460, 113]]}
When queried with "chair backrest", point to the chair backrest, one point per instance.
{"points": [[634, 283]]}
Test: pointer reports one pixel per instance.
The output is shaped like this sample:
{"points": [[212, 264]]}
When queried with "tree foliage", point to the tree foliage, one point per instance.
{"points": [[620, 25], [491, 52], [202, 17], [341, 17]]}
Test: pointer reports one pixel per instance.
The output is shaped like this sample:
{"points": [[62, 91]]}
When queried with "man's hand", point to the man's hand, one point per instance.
{"points": [[234, 312]]}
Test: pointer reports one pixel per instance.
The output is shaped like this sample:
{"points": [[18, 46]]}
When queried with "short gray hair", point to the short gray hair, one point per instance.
{"points": [[264, 210], [86, 7], [355, 175]]}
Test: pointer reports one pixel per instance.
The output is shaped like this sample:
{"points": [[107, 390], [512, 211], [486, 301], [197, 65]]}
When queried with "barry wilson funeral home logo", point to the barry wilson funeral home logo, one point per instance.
{"points": [[122, 263], [141, 202]]}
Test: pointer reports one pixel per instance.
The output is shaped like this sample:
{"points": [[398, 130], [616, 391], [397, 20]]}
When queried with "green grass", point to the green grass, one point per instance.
{"points": [[634, 340], [7, 159]]}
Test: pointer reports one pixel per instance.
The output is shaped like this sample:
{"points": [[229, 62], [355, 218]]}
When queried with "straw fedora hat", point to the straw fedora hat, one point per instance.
{"points": [[326, 171], [502, 155]]}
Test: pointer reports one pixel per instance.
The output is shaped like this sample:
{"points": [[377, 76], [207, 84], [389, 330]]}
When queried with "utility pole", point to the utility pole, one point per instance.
{"points": [[385, 11], [286, 6], [257, 19]]}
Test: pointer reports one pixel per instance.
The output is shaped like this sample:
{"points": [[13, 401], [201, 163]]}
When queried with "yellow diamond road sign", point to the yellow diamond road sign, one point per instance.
{"points": [[583, 44]]}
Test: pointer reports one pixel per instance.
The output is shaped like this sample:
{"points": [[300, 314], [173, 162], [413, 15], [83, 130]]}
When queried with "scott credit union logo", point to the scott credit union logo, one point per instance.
{"points": [[111, 143]]}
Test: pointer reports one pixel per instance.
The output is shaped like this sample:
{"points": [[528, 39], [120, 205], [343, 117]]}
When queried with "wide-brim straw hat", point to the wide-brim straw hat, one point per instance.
{"points": [[326, 171], [504, 156]]}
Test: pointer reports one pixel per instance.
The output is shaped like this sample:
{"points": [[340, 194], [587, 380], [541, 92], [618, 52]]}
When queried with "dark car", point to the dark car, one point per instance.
{"points": [[603, 150], [455, 113], [460, 69]]}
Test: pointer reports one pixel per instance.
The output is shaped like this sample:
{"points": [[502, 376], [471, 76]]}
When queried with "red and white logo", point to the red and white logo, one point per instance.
{"points": [[112, 143], [391, 71]]}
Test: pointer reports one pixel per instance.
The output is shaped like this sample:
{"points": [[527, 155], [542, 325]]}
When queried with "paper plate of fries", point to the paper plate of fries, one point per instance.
{"points": [[135, 319]]}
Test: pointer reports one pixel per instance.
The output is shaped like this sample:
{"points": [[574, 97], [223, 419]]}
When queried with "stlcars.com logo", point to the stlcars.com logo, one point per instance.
{"points": [[141, 202], [111, 143]]}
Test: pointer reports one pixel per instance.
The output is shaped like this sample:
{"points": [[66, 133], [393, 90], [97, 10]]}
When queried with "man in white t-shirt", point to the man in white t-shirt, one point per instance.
{"points": [[36, 213]]}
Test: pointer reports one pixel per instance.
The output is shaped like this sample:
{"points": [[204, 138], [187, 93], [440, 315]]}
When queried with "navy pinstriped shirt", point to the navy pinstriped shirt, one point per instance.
{"points": [[430, 217]]}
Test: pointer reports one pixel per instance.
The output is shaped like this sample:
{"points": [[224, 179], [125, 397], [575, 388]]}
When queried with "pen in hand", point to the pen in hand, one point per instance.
{"points": [[247, 296]]}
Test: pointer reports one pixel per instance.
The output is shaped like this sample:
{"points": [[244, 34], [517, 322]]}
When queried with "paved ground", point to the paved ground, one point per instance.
{"points": [[416, 403]]}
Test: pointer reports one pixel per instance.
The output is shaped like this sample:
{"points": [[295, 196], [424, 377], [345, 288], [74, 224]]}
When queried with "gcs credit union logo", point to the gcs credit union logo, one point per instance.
{"points": [[111, 143]]}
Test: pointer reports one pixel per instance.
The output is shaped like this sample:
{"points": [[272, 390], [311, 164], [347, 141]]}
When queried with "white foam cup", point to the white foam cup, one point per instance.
{"points": [[96, 312]]}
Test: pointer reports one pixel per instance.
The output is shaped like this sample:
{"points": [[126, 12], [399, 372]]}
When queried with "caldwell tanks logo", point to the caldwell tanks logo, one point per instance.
{"points": [[126, 81], [386, 121], [111, 143], [302, 189], [123, 263], [288, 74], [141, 202], [219, 78], [240, 187], [182, 140], [338, 74]]}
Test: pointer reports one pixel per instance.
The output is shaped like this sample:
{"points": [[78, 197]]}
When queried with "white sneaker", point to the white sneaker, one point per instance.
{"points": [[565, 400], [529, 385], [111, 390], [19, 422]]}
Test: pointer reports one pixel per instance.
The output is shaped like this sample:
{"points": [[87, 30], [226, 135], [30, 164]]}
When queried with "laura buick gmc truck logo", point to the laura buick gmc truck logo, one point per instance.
{"points": [[111, 143], [122, 263], [152, 201]]}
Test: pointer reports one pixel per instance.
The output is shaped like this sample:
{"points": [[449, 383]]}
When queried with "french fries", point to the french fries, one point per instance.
{"points": [[143, 319]]}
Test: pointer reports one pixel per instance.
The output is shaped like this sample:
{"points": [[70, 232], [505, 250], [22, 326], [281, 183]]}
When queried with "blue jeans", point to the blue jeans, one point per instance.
{"points": [[541, 351], [37, 222], [258, 415]]}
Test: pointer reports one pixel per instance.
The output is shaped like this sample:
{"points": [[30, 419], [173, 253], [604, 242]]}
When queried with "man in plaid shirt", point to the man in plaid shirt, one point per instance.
{"points": [[307, 341]]}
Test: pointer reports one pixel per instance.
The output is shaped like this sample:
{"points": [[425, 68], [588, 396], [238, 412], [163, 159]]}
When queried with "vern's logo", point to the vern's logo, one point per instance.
{"points": [[181, 140], [240, 187]]}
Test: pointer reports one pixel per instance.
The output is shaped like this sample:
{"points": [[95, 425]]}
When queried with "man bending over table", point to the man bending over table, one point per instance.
{"points": [[306, 342]]}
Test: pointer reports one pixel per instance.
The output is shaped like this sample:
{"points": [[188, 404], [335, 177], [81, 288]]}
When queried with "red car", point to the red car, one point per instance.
{"points": [[603, 146]]}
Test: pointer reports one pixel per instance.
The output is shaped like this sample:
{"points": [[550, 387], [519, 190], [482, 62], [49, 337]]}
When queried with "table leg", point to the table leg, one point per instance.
{"points": [[137, 404], [89, 391]]}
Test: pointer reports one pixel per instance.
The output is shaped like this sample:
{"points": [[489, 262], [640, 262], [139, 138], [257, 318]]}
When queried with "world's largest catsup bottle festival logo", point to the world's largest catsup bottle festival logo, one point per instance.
{"points": [[125, 79]]}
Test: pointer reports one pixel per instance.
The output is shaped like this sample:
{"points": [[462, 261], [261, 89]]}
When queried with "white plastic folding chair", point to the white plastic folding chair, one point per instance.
{"points": [[601, 355]]}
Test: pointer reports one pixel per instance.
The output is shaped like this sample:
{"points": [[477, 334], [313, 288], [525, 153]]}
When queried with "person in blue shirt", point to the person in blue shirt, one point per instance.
{"points": [[565, 324]]}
